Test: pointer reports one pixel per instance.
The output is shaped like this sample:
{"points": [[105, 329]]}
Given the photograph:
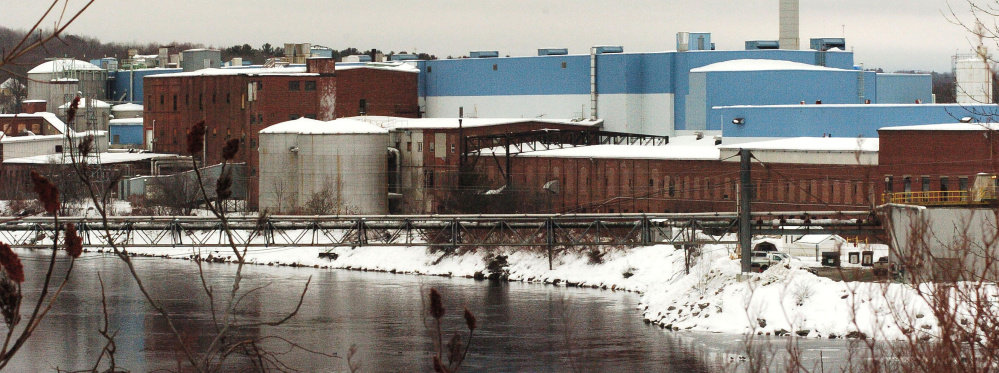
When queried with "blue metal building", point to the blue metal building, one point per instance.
{"points": [[125, 133], [655, 93], [128, 83]]}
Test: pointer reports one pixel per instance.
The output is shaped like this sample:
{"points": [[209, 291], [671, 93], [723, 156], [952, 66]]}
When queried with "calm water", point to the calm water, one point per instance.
{"points": [[523, 327]]}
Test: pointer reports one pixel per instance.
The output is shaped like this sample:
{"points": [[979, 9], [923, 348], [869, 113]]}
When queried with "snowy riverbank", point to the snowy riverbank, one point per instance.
{"points": [[710, 298]]}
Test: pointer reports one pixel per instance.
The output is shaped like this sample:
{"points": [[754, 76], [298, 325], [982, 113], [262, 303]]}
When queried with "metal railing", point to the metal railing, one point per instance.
{"points": [[930, 198]]}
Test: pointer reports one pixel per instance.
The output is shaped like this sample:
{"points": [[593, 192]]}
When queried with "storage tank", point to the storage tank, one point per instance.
{"points": [[974, 78], [91, 80], [91, 115], [314, 167], [126, 111]]}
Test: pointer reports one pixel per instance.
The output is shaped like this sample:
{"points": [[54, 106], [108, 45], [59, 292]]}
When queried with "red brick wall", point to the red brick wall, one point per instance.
{"points": [[935, 154], [385, 92]]}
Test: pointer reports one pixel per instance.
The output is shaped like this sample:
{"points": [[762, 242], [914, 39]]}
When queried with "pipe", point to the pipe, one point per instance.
{"points": [[398, 168], [593, 83]]}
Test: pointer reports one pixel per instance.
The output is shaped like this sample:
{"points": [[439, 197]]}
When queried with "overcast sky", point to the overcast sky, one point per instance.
{"points": [[891, 34]]}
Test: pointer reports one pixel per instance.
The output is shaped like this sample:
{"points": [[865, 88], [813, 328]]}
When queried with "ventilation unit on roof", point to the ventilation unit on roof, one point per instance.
{"points": [[824, 44], [602, 49], [553, 51], [762, 44], [483, 54]]}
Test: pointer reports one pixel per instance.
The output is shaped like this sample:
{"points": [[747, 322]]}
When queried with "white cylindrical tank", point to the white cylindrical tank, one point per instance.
{"points": [[126, 111], [91, 80], [91, 115], [315, 167], [974, 80]]}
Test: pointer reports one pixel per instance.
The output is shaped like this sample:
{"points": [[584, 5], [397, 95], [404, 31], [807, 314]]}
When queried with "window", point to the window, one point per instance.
{"points": [[409, 146], [294, 116], [428, 178], [260, 118], [310, 85], [116, 139], [452, 148], [161, 99], [150, 101], [293, 85], [926, 183], [563, 64], [227, 98], [672, 187], [310, 116], [943, 183], [430, 146], [58, 148], [253, 119], [362, 106], [962, 183], [495, 67], [906, 184], [260, 85], [419, 146], [214, 98], [174, 102], [201, 101], [187, 99], [429, 69], [889, 182]]}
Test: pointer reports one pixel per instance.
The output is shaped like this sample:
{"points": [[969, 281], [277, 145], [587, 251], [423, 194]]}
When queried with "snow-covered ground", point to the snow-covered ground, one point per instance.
{"points": [[712, 296]]}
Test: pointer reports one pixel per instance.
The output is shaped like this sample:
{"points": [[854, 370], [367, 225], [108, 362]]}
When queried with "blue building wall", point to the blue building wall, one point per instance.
{"points": [[837, 120], [772, 87], [128, 134], [128, 84], [904, 88]]}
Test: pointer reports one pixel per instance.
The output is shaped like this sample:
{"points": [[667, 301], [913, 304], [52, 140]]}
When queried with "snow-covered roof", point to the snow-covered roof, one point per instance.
{"points": [[432, 123], [760, 65], [61, 65], [127, 107], [240, 70], [818, 144], [87, 101], [49, 117], [105, 158], [126, 122], [306, 126], [815, 239], [945, 127], [677, 152], [392, 66]]}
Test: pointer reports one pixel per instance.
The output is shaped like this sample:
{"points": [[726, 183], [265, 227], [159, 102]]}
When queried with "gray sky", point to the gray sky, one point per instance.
{"points": [[891, 34]]}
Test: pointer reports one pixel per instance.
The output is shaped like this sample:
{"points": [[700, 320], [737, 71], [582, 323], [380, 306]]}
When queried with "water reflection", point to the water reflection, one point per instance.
{"points": [[523, 327]]}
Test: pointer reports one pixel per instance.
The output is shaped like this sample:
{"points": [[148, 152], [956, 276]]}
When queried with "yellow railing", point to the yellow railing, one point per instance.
{"points": [[932, 198]]}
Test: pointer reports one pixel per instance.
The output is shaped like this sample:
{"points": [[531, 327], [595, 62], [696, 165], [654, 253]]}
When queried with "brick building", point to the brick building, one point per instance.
{"points": [[936, 157], [239, 102], [695, 175]]}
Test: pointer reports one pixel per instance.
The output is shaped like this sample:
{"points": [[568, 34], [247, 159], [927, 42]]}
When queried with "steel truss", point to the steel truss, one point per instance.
{"points": [[551, 232]]}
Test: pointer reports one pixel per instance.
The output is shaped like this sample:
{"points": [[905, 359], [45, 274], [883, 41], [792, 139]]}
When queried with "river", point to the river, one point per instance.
{"points": [[523, 327]]}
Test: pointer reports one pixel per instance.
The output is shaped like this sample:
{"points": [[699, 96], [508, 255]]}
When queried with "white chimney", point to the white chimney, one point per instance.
{"points": [[789, 24]]}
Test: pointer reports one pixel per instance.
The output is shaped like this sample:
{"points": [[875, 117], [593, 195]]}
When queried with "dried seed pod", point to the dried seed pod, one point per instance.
{"points": [[196, 138]]}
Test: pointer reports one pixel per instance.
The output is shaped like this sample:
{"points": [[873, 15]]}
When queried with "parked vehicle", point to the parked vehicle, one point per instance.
{"points": [[766, 259]]}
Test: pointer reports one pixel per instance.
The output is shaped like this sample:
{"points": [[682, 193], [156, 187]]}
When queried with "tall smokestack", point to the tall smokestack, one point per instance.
{"points": [[789, 24]]}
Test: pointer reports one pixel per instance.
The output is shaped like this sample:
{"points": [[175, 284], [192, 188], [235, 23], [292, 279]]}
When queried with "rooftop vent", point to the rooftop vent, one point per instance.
{"points": [[824, 44], [483, 54], [553, 51], [601, 49], [762, 44]]}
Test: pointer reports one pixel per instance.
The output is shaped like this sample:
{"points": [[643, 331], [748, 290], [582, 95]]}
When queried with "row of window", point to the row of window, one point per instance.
{"points": [[925, 184], [295, 85]]}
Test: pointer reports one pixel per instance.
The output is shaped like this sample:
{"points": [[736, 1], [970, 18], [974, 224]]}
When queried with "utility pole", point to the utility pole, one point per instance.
{"points": [[745, 212], [461, 139]]}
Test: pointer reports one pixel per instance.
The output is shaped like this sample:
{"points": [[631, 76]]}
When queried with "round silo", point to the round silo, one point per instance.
{"points": [[335, 167], [91, 115], [90, 78], [126, 111]]}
